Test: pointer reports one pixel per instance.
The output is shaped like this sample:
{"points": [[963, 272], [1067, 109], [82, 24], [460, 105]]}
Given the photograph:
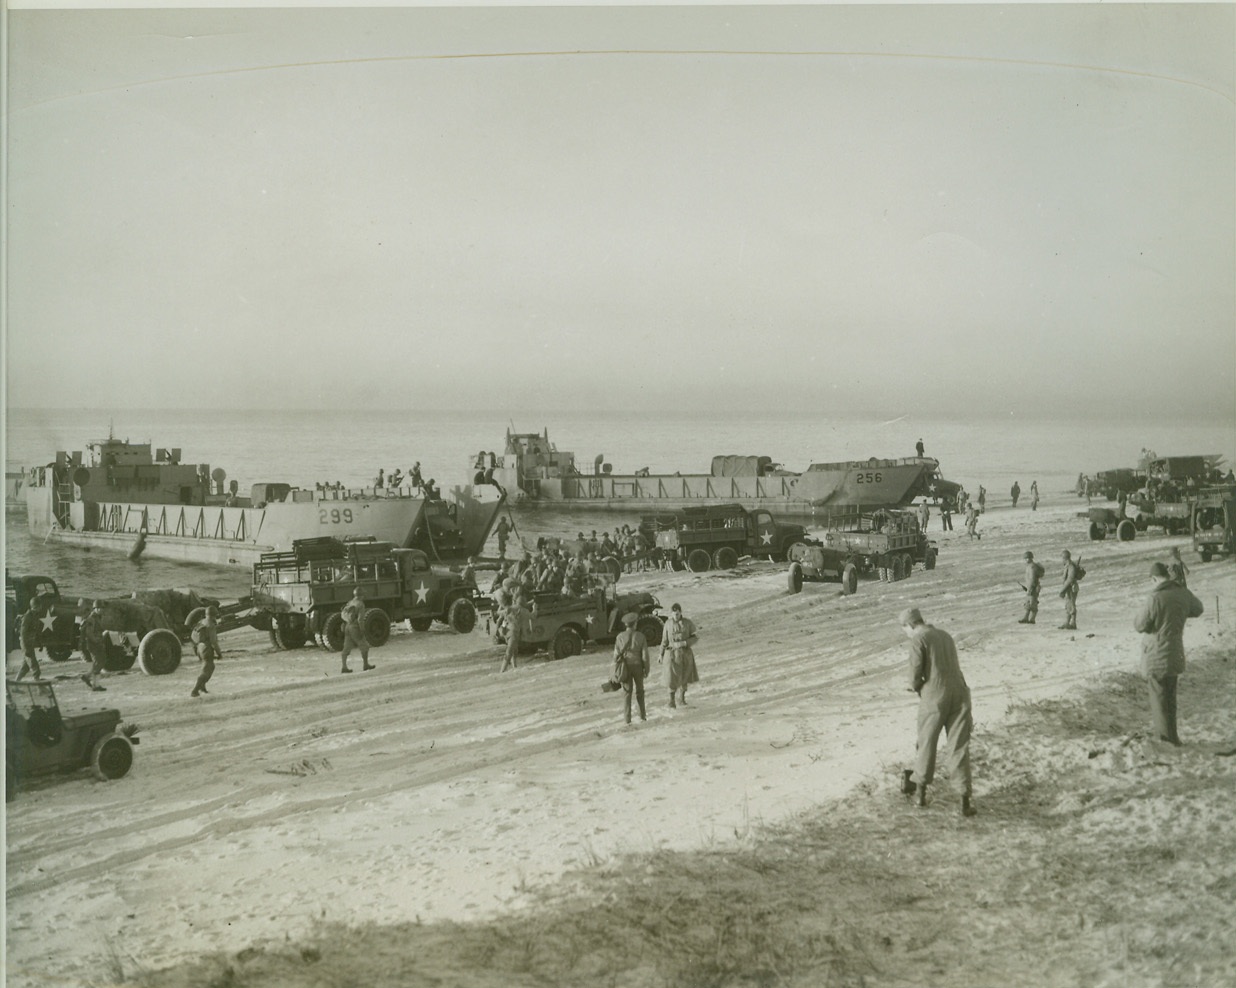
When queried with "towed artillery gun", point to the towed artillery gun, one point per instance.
{"points": [[887, 542], [299, 595]]}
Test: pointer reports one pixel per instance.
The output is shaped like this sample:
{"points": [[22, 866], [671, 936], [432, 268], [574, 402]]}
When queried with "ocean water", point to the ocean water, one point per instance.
{"points": [[302, 447]]}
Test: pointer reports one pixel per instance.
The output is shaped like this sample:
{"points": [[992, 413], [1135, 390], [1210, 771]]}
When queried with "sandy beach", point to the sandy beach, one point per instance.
{"points": [[435, 788]]}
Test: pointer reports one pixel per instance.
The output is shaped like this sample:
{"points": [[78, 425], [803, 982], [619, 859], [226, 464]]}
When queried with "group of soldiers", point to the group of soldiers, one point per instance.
{"points": [[632, 661]]}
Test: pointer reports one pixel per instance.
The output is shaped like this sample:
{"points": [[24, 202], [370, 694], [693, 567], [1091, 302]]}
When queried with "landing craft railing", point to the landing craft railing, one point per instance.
{"points": [[660, 487], [211, 523]]}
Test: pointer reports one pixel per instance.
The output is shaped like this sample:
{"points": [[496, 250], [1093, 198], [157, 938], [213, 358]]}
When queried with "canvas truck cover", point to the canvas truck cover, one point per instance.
{"points": [[740, 466]]}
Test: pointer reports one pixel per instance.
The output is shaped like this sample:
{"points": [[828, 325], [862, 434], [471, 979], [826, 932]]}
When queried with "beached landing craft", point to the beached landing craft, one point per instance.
{"points": [[532, 470], [126, 497]]}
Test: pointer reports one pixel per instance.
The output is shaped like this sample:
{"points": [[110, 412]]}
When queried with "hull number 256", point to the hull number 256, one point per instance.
{"points": [[869, 478]]}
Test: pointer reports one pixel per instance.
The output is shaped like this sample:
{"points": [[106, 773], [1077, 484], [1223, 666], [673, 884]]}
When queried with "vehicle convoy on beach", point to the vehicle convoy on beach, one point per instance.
{"points": [[717, 536], [299, 595], [1213, 523], [136, 628], [1138, 515], [884, 543], [41, 740], [563, 623], [131, 498], [533, 470]]}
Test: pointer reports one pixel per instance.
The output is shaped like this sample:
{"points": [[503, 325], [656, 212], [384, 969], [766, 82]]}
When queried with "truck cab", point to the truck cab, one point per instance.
{"points": [[1213, 523]]}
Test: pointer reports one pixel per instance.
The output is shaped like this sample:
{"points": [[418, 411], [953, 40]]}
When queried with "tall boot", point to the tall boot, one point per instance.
{"points": [[907, 782], [920, 796], [672, 703], [683, 699], [967, 805]]}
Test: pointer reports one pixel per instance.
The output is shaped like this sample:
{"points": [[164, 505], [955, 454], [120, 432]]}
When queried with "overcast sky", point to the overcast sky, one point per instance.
{"points": [[1004, 208]]}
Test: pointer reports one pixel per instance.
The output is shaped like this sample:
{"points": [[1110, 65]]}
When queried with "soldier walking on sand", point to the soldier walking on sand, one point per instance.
{"points": [[354, 632], [946, 515], [1034, 495], [1069, 592], [1034, 576], [503, 531], [631, 665], [972, 517], [93, 645], [677, 638], [30, 634], [1162, 620], [1015, 492], [944, 705], [516, 621], [924, 515], [206, 643]]}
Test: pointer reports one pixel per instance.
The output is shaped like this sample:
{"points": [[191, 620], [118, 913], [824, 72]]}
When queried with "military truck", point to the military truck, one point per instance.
{"points": [[887, 543], [299, 595], [40, 740], [1139, 514], [135, 630], [715, 536], [562, 623], [1213, 522]]}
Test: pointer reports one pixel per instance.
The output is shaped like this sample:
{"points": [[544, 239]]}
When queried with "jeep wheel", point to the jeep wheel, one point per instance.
{"points": [[849, 579], [1126, 531], [651, 628], [566, 643], [795, 579], [698, 561], [159, 653], [376, 627], [289, 631], [725, 558], [1097, 532], [59, 653], [332, 633], [420, 623], [462, 615], [112, 757]]}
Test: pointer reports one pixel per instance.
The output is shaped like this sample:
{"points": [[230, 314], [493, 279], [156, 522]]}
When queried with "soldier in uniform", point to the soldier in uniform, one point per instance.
{"points": [[516, 621], [1162, 620], [944, 705], [354, 632], [677, 638], [631, 664], [94, 645], [1015, 492], [1034, 576], [206, 643], [31, 634], [1069, 592], [1034, 495], [924, 515], [503, 531]]}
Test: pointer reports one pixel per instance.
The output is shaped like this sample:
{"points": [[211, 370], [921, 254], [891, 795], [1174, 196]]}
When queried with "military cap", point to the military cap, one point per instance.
{"points": [[630, 618], [1159, 570], [1028, 555], [910, 616]]}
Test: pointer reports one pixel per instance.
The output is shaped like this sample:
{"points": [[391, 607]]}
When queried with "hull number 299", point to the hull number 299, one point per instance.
{"points": [[869, 478], [334, 516]]}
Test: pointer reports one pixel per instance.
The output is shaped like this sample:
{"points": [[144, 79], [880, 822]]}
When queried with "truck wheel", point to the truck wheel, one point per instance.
{"points": [[420, 623], [795, 579], [929, 561], [725, 558], [112, 757], [159, 653], [614, 566], [462, 616], [789, 549], [907, 565], [59, 653], [677, 565], [849, 579], [376, 627], [651, 628], [332, 632], [698, 561], [274, 639], [289, 632], [1205, 554], [566, 643], [1126, 531], [899, 568], [1097, 532]]}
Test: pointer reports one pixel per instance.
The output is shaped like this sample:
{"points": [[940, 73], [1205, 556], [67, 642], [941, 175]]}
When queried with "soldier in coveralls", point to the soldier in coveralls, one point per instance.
{"points": [[354, 632], [631, 665], [1034, 577], [206, 644], [1069, 592], [31, 634], [944, 704], [677, 639], [1162, 620], [94, 645]]}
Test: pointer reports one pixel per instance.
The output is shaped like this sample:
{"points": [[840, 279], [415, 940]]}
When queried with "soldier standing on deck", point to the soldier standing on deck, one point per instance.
{"points": [[1069, 592], [31, 634], [354, 631], [1034, 576]]}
